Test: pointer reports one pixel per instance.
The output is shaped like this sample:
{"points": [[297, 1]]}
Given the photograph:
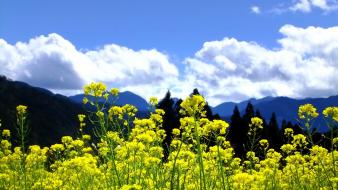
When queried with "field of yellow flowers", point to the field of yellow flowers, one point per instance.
{"points": [[129, 153]]}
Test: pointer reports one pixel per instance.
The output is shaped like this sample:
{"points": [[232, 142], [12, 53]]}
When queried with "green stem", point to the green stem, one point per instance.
{"points": [[174, 165], [200, 158], [221, 167]]}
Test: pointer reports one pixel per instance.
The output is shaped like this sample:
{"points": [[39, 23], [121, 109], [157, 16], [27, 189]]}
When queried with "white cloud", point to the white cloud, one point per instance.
{"points": [[53, 62], [301, 5], [255, 9], [307, 5], [304, 65]]}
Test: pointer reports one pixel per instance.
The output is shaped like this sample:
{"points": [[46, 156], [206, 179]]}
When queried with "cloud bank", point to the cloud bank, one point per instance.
{"points": [[53, 62], [304, 65]]}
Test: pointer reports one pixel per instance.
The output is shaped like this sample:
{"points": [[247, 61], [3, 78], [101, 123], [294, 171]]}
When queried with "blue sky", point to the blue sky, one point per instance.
{"points": [[166, 37], [177, 27]]}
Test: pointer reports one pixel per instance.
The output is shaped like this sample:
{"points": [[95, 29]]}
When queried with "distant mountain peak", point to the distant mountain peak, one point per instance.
{"points": [[284, 107], [125, 97]]}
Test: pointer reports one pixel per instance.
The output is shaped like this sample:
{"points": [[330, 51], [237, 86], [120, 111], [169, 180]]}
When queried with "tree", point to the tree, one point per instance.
{"points": [[236, 131], [274, 135], [170, 118]]}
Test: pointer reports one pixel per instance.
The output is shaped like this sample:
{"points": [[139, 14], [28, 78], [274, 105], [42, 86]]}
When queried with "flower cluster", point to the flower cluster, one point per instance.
{"points": [[307, 111], [331, 112]]}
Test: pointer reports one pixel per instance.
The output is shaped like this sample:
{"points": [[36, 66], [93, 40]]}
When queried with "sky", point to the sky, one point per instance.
{"points": [[230, 50]]}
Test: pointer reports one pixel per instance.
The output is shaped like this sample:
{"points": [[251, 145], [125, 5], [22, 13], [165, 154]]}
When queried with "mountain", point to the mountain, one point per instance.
{"points": [[126, 97], [50, 116], [284, 107], [225, 109]]}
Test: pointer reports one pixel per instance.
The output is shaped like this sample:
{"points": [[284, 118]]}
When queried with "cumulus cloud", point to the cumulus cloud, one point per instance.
{"points": [[303, 66], [255, 9], [301, 5], [53, 62], [307, 5]]}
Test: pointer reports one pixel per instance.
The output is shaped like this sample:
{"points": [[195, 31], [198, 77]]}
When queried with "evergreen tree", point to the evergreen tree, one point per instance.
{"points": [[249, 113], [273, 132], [236, 132], [177, 108], [170, 118], [283, 125]]}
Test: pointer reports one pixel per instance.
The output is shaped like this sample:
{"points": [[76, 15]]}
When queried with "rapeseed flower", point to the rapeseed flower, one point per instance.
{"points": [[307, 111], [95, 89], [153, 101], [299, 141], [288, 132], [21, 109], [331, 112], [114, 91], [193, 106], [6, 133], [256, 123]]}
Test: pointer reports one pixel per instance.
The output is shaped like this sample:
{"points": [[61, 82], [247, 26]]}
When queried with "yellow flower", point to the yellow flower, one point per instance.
{"points": [[57, 147], [307, 111], [288, 132], [114, 91], [100, 114], [331, 112], [114, 136], [115, 111], [131, 187], [153, 101], [243, 181], [21, 109], [335, 141], [287, 148], [264, 143], [95, 89], [250, 155], [256, 123], [86, 137], [66, 139], [6, 133], [193, 106], [5, 144], [220, 125], [77, 143], [176, 132], [130, 110], [85, 100], [299, 140], [81, 117]]}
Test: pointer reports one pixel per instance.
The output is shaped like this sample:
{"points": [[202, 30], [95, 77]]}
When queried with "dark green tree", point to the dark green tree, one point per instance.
{"points": [[236, 131], [170, 118], [274, 135]]}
